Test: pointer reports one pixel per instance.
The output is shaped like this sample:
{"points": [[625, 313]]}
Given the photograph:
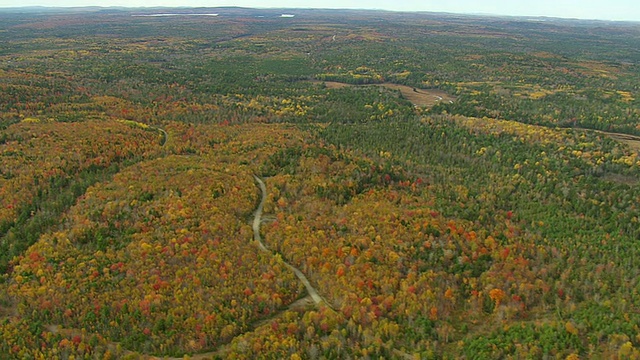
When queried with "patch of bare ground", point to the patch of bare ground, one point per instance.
{"points": [[621, 179], [418, 97], [8, 312], [7, 307], [421, 97], [630, 140]]}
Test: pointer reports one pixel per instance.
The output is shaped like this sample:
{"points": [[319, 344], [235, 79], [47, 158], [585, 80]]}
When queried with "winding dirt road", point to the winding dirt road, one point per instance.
{"points": [[257, 220]]}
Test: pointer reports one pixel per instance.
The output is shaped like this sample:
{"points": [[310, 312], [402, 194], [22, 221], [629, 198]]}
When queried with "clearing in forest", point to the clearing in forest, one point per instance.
{"points": [[418, 97]]}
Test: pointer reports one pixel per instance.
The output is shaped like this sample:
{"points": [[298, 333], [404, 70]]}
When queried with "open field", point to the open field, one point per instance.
{"points": [[418, 97]]}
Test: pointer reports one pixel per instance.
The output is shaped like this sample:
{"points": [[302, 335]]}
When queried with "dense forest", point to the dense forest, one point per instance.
{"points": [[436, 186]]}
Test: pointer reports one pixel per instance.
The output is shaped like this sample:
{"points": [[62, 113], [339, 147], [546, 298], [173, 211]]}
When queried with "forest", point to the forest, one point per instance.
{"points": [[436, 186]]}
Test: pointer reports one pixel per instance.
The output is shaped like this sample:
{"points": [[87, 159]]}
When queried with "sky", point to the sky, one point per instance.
{"points": [[581, 9]]}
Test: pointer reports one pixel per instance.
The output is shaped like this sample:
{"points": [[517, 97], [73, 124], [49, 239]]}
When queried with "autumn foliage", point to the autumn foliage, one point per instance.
{"points": [[489, 222]]}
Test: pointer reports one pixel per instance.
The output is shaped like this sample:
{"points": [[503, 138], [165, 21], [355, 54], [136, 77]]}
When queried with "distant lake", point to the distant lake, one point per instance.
{"points": [[159, 15]]}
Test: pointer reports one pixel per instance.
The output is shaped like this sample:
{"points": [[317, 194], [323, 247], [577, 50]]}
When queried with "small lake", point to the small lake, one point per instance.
{"points": [[169, 14]]}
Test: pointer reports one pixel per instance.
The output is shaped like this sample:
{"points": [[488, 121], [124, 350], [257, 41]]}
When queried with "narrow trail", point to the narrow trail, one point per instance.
{"points": [[622, 136], [317, 298], [632, 140], [257, 220]]}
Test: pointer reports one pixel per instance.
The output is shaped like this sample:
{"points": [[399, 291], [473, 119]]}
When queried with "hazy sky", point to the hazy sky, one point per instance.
{"points": [[584, 9]]}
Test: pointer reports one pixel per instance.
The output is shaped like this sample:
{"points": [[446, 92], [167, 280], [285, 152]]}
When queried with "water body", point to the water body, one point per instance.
{"points": [[170, 14]]}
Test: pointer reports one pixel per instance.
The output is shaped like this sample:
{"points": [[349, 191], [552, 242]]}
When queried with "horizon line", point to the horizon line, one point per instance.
{"points": [[477, 14]]}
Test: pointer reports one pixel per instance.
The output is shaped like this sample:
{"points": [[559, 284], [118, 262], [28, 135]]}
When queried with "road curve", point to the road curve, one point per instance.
{"points": [[257, 219]]}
